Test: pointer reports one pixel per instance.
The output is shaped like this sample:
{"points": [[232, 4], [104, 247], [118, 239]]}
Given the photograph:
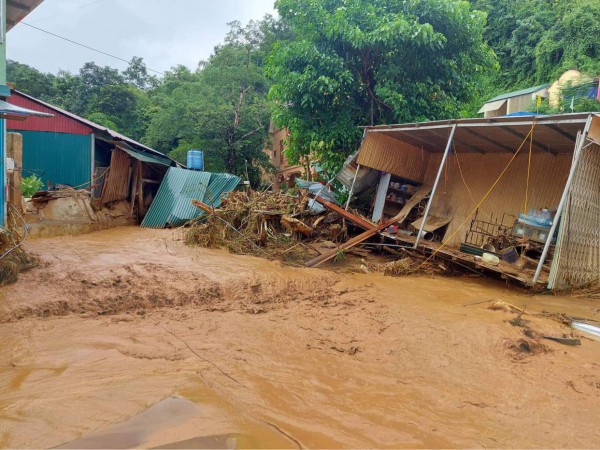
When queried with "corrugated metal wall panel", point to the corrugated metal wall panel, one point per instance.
{"points": [[57, 157], [219, 184], [547, 180], [58, 124], [172, 205], [364, 179], [577, 255], [387, 154]]}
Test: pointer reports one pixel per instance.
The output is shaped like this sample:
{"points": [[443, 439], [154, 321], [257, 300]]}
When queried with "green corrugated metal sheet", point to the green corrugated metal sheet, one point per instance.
{"points": [[530, 90], [219, 183], [143, 156], [57, 158], [172, 205]]}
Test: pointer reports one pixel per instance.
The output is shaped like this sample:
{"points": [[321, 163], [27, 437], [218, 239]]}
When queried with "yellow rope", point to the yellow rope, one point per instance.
{"points": [[443, 244], [528, 169], [462, 176]]}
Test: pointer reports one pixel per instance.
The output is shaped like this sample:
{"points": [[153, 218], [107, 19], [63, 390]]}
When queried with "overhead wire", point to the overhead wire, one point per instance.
{"points": [[72, 9], [85, 46]]}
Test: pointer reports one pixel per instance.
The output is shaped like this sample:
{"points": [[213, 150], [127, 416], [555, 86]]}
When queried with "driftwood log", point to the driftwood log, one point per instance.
{"points": [[296, 225]]}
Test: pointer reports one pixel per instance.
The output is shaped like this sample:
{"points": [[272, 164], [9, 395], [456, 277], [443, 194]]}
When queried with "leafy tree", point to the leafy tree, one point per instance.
{"points": [[358, 62], [537, 40], [221, 108], [32, 81]]}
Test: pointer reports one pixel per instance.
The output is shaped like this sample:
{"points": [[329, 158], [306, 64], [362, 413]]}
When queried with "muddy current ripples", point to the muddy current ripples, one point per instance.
{"points": [[116, 342]]}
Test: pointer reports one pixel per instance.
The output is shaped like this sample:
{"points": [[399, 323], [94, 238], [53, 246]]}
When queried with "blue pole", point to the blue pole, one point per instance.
{"points": [[2, 175]]}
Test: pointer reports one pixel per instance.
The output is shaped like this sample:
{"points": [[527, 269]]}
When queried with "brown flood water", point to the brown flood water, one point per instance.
{"points": [[126, 338]]}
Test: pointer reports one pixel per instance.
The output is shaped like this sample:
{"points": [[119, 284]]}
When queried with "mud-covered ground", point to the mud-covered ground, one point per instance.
{"points": [[264, 355]]}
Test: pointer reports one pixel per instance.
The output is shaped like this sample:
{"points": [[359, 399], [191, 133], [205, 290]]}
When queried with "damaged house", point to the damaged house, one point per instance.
{"points": [[519, 196], [94, 177]]}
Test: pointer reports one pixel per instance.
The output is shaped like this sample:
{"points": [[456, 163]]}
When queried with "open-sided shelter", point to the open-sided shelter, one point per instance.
{"points": [[485, 175]]}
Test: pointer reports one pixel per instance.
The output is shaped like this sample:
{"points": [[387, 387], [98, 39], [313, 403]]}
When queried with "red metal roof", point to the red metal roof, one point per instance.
{"points": [[93, 127], [60, 123]]}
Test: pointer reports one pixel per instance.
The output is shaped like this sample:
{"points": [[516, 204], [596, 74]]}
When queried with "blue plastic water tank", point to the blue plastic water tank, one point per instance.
{"points": [[195, 160]]}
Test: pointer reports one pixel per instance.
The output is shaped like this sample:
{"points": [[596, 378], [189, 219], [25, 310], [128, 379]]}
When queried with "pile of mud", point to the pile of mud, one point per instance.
{"points": [[136, 288]]}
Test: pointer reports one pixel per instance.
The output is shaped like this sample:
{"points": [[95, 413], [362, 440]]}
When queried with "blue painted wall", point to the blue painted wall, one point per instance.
{"points": [[57, 158]]}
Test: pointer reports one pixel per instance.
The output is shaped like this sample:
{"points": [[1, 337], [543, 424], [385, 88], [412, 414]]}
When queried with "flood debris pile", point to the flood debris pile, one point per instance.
{"points": [[269, 224], [13, 257]]}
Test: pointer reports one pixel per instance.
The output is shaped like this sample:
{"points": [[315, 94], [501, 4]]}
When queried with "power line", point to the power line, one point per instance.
{"points": [[86, 46], [62, 13]]}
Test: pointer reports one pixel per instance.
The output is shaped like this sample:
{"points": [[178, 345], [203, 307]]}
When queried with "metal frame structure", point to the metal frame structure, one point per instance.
{"points": [[435, 185], [555, 135]]}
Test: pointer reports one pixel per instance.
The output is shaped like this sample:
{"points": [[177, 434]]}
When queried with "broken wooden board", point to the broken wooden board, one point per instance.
{"points": [[421, 193], [203, 206], [357, 220]]}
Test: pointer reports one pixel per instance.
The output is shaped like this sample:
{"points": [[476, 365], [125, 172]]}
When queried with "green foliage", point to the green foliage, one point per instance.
{"points": [[358, 62], [537, 40], [31, 185], [116, 99], [221, 108]]}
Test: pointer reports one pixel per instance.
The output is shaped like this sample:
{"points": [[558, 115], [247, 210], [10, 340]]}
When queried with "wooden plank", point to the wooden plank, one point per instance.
{"points": [[421, 193], [133, 191], [203, 206], [359, 221], [140, 191]]}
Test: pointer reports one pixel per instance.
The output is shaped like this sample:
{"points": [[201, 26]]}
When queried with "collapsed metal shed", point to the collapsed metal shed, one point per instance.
{"points": [[500, 167], [172, 205]]}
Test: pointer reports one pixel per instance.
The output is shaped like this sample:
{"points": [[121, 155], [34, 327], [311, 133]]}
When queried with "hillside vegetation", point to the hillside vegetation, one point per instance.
{"points": [[325, 67]]}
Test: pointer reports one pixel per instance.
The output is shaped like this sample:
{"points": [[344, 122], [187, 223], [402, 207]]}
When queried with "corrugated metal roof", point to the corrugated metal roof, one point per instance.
{"points": [[553, 134], [172, 205], [18, 10], [113, 134], [518, 93], [60, 123], [219, 184], [144, 157]]}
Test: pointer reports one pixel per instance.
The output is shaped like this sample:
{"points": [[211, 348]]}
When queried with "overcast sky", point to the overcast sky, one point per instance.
{"points": [[164, 33]]}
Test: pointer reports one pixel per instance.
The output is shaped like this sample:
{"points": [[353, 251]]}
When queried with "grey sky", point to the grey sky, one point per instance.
{"points": [[164, 33]]}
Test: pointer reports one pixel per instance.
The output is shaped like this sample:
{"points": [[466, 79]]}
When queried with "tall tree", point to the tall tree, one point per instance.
{"points": [[222, 108], [359, 62]]}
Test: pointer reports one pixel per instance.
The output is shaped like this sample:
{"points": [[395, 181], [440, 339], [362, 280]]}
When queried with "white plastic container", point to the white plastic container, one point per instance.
{"points": [[490, 259]]}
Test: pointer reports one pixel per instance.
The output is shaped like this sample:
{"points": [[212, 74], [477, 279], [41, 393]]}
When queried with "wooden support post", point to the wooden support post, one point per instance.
{"points": [[435, 185], [140, 192], [382, 188], [578, 146], [134, 185]]}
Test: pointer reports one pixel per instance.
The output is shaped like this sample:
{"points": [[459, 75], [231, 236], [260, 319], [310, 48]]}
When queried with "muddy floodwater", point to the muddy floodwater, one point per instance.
{"points": [[127, 338]]}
